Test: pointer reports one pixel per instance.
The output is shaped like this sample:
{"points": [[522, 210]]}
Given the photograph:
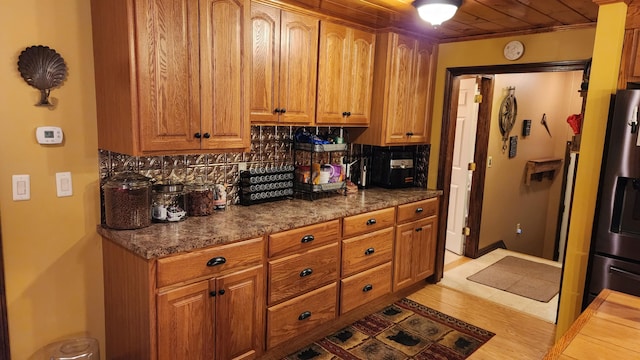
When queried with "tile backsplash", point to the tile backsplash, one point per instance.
{"points": [[270, 146]]}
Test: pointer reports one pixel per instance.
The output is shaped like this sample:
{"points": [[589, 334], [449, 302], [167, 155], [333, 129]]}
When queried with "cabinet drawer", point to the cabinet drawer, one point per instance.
{"points": [[296, 274], [417, 210], [366, 251], [361, 288], [212, 261], [371, 221], [301, 239], [301, 314]]}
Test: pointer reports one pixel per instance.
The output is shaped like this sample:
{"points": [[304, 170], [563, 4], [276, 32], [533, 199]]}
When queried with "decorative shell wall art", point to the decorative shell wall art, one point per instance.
{"points": [[43, 68]]}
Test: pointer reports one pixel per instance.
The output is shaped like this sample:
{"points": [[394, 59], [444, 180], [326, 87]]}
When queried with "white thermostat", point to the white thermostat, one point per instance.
{"points": [[49, 135]]}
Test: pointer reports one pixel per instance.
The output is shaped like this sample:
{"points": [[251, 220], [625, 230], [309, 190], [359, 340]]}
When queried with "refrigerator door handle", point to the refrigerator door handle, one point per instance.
{"points": [[634, 123], [628, 274]]}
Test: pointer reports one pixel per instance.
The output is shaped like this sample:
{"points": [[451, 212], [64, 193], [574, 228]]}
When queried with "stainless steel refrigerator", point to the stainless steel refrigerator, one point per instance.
{"points": [[614, 260]]}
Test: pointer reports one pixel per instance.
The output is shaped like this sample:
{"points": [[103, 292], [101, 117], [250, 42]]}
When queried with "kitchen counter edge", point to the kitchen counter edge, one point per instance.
{"points": [[239, 222]]}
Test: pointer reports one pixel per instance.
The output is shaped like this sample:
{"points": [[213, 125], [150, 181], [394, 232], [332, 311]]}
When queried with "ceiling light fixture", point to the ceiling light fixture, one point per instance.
{"points": [[436, 12]]}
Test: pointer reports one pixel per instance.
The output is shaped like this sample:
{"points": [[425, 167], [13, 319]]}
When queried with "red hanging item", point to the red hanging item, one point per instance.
{"points": [[575, 121]]}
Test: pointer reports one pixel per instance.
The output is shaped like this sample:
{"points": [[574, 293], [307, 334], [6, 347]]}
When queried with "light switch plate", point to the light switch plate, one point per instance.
{"points": [[21, 187], [64, 186]]}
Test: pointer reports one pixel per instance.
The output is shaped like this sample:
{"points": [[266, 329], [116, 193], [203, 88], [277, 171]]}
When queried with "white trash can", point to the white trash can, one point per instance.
{"points": [[76, 349]]}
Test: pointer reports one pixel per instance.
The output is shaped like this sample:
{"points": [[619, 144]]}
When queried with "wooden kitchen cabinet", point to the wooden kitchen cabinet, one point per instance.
{"points": [[404, 79], [366, 268], [303, 274], [284, 63], [630, 62], [217, 313], [415, 248], [213, 319], [171, 76], [345, 75]]}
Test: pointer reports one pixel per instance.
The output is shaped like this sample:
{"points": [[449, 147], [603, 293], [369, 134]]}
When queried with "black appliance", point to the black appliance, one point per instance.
{"points": [[615, 249], [392, 168]]}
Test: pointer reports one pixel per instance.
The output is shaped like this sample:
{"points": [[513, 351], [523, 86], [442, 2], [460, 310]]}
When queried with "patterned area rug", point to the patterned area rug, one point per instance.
{"points": [[404, 330]]}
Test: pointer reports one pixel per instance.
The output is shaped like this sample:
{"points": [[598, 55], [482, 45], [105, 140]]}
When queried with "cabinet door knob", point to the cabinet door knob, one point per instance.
{"points": [[307, 238], [282, 111], [276, 110], [369, 251], [409, 133], [304, 315], [371, 222], [212, 293], [221, 292], [197, 135], [206, 135], [419, 229], [306, 272], [219, 260], [367, 288], [419, 210]]}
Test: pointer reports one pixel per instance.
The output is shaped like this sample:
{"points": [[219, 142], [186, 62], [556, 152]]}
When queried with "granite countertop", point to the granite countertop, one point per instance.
{"points": [[245, 222]]}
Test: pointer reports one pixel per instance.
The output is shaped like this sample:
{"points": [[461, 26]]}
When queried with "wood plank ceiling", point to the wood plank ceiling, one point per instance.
{"points": [[475, 18]]}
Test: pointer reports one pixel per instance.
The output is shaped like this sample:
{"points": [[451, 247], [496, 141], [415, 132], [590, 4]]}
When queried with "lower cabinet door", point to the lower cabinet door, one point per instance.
{"points": [[366, 286], [240, 314], [300, 314], [403, 258], [185, 323], [219, 318]]}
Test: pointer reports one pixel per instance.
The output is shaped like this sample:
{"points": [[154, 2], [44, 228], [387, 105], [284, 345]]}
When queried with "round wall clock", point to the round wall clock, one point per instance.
{"points": [[513, 50]]}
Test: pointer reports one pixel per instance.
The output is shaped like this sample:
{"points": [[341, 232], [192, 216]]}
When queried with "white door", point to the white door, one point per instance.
{"points": [[464, 147]]}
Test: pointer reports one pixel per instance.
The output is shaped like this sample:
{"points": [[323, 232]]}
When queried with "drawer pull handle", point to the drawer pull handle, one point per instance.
{"points": [[304, 315], [371, 222], [367, 288], [307, 238], [419, 229], [369, 251], [219, 260], [419, 210], [306, 272]]}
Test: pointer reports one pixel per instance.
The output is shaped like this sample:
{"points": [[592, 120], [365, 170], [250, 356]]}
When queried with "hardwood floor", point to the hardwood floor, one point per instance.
{"points": [[518, 335]]}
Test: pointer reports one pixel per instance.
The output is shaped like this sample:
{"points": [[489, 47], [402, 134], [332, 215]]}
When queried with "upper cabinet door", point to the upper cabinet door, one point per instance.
{"points": [[419, 123], [401, 89], [411, 91], [171, 75], [283, 66], [332, 73], [298, 68], [402, 92], [360, 86], [345, 75], [167, 74], [224, 47], [265, 63]]}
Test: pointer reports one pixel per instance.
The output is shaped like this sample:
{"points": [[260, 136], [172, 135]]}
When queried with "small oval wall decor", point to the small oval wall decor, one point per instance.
{"points": [[43, 68]]}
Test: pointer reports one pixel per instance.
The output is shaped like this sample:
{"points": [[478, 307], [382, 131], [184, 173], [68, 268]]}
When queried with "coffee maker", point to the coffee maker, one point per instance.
{"points": [[392, 168]]}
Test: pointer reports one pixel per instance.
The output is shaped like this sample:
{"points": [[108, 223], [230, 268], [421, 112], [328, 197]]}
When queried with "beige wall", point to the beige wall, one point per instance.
{"points": [[545, 47], [52, 254], [507, 200]]}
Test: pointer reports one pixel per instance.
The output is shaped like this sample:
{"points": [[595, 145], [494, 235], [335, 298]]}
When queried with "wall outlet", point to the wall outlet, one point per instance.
{"points": [[518, 229], [242, 166], [489, 161]]}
